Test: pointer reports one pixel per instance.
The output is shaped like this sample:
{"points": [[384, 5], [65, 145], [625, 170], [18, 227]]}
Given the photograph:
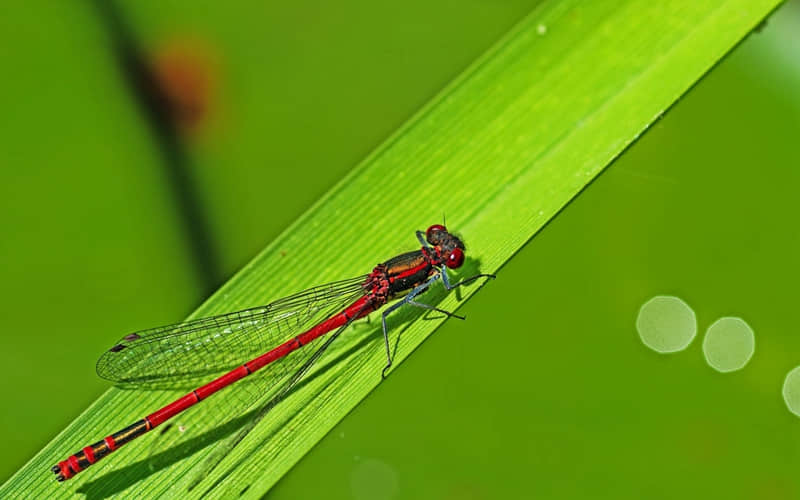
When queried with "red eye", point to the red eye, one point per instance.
{"points": [[436, 228], [455, 259]]}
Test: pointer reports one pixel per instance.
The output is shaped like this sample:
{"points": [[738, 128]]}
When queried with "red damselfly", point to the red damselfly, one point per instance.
{"points": [[202, 347]]}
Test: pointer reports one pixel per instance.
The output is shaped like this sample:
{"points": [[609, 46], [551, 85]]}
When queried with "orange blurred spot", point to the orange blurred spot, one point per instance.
{"points": [[185, 75]]}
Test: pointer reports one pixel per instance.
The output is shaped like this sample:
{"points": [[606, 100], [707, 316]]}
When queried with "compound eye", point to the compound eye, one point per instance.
{"points": [[436, 228], [455, 259]]}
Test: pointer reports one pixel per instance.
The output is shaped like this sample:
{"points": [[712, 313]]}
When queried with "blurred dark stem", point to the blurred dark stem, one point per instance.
{"points": [[156, 109]]}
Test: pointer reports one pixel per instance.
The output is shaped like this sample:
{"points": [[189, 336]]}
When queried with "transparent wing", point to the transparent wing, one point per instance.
{"points": [[185, 353]]}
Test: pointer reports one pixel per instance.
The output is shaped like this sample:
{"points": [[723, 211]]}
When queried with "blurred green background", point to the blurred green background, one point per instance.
{"points": [[274, 104]]}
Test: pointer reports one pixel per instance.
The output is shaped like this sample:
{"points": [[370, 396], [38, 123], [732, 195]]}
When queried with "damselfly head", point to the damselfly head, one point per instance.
{"points": [[448, 247]]}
